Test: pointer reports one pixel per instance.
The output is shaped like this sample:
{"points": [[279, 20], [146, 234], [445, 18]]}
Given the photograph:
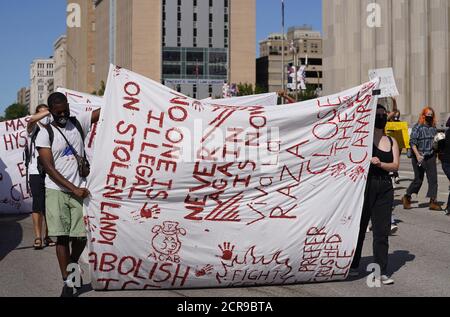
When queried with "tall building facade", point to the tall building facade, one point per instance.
{"points": [[413, 38], [23, 97], [302, 45], [41, 78], [80, 51], [128, 35], [193, 46], [60, 57]]}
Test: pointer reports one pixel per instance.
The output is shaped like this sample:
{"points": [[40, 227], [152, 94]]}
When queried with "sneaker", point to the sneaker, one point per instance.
{"points": [[397, 180], [386, 280], [353, 273], [394, 229], [67, 291]]}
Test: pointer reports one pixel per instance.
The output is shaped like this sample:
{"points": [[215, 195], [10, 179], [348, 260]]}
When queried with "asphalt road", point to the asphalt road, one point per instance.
{"points": [[419, 260]]}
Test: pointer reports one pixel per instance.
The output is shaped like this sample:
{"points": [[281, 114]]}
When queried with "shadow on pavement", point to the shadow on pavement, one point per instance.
{"points": [[397, 260], [11, 233]]}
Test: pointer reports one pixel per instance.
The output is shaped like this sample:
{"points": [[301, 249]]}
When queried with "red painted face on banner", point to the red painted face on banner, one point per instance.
{"points": [[166, 240]]}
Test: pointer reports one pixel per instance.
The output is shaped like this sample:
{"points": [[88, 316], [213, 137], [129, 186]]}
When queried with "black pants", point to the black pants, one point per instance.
{"points": [[446, 168], [429, 167], [378, 203]]}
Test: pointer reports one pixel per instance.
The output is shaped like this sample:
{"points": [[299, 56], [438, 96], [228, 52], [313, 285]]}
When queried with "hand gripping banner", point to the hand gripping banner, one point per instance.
{"points": [[190, 195]]}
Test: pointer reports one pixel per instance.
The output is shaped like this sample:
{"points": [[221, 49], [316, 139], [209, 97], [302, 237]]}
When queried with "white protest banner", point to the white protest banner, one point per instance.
{"points": [[269, 99], [187, 195], [388, 86], [79, 98], [14, 198], [81, 102]]}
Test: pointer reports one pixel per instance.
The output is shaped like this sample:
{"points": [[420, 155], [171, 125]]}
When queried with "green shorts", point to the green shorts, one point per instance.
{"points": [[64, 214]]}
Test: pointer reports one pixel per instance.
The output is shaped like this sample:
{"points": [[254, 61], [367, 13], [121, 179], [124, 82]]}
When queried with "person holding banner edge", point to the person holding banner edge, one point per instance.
{"points": [[60, 147], [36, 179], [379, 198]]}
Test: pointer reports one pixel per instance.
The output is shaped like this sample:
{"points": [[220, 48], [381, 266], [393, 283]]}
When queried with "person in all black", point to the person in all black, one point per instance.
{"points": [[379, 198], [445, 159], [424, 159]]}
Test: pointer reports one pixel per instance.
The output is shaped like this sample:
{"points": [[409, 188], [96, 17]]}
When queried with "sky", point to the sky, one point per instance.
{"points": [[28, 29]]}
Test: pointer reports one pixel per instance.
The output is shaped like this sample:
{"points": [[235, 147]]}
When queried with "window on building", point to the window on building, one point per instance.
{"points": [[171, 69], [194, 57], [170, 56], [217, 58], [217, 70], [194, 70]]}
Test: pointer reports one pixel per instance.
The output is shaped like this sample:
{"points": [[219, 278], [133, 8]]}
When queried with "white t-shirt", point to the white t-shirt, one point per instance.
{"points": [[65, 161]]}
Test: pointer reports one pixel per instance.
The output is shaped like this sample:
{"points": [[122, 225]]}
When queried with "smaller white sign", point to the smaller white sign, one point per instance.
{"points": [[388, 86]]}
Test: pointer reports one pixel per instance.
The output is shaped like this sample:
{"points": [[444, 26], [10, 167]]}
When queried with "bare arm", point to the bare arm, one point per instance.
{"points": [[35, 119], [46, 158], [394, 107]]}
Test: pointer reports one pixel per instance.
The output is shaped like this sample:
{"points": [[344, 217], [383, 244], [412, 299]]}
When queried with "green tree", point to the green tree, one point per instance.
{"points": [[247, 89], [101, 91], [16, 111]]}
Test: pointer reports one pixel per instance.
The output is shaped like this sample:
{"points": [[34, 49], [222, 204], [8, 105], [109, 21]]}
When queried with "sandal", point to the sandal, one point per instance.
{"points": [[38, 244], [49, 242]]}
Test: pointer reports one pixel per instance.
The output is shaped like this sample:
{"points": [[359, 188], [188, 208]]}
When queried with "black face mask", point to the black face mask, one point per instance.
{"points": [[381, 121], [429, 120]]}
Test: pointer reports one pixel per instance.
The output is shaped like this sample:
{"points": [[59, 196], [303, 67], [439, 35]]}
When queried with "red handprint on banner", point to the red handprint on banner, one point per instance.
{"points": [[338, 169], [356, 173], [207, 270], [227, 251], [90, 227], [147, 213]]}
